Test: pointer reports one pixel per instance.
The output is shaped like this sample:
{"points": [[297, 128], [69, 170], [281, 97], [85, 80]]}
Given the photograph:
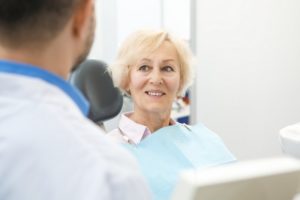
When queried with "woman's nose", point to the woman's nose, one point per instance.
{"points": [[156, 77]]}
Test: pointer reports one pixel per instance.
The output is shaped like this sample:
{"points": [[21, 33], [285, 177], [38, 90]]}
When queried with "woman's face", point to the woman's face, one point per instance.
{"points": [[155, 79]]}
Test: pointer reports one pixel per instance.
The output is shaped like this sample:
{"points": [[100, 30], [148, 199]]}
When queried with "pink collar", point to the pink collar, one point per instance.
{"points": [[134, 131]]}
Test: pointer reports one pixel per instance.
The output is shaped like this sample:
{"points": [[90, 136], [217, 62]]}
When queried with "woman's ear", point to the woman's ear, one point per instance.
{"points": [[128, 90], [180, 92], [125, 86]]}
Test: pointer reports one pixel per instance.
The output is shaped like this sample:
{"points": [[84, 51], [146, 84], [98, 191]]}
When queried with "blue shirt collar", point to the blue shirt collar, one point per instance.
{"points": [[33, 71]]}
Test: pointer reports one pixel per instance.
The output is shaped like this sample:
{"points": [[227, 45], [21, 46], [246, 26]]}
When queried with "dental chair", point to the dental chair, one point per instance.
{"points": [[94, 81]]}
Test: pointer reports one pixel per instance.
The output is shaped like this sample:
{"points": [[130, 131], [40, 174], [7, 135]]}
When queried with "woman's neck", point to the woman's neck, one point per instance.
{"points": [[153, 121]]}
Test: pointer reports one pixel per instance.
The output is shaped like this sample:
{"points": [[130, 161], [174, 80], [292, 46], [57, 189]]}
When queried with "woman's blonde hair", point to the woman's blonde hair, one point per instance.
{"points": [[144, 42]]}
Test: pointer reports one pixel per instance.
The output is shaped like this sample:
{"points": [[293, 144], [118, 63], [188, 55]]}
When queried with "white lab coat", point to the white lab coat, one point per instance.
{"points": [[49, 150]]}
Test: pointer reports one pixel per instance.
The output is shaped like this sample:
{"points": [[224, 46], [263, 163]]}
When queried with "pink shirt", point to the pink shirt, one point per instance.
{"points": [[129, 131]]}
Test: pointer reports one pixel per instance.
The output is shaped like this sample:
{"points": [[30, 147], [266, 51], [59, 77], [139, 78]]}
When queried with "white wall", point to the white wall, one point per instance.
{"points": [[248, 81], [105, 43], [176, 17], [116, 19], [144, 14]]}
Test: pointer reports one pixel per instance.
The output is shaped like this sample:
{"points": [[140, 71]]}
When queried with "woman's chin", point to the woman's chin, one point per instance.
{"points": [[159, 109]]}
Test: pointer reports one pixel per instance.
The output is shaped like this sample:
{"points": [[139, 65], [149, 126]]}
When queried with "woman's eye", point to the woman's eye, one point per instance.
{"points": [[168, 69], [144, 68]]}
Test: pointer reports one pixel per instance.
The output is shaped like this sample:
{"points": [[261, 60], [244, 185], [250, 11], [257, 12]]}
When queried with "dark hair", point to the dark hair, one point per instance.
{"points": [[33, 20]]}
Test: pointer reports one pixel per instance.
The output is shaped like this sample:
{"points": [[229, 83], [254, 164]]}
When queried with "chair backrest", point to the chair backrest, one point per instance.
{"points": [[94, 81]]}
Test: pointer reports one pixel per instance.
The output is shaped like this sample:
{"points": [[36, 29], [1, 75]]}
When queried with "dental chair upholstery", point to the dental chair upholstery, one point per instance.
{"points": [[93, 80]]}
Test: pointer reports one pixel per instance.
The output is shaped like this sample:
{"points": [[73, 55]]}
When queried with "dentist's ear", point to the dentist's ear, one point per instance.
{"points": [[81, 17]]}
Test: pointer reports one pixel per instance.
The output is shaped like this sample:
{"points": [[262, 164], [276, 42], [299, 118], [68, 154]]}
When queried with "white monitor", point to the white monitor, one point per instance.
{"points": [[265, 179]]}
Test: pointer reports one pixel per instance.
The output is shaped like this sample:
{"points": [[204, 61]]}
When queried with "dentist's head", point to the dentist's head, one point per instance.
{"points": [[52, 34]]}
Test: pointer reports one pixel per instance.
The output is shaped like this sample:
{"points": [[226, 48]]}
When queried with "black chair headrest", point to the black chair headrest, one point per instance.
{"points": [[94, 81]]}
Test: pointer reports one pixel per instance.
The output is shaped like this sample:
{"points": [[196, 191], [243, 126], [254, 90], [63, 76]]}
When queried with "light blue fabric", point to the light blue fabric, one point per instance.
{"points": [[174, 148]]}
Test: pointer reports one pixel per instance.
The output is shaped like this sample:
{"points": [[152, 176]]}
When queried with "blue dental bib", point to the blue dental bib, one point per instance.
{"points": [[168, 151]]}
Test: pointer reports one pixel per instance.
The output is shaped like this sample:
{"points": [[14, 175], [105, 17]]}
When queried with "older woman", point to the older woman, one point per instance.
{"points": [[155, 68]]}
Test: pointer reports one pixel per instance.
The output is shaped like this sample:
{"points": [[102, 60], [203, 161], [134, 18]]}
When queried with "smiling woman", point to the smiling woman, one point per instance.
{"points": [[154, 83], [155, 68]]}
